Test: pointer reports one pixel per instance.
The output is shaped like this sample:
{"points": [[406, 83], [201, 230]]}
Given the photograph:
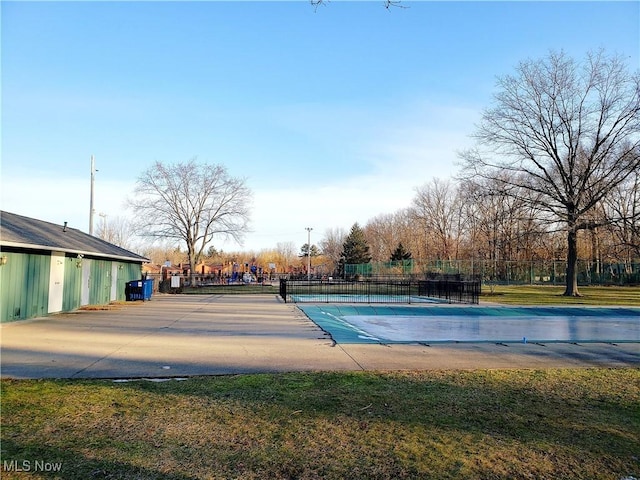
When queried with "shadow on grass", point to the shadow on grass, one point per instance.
{"points": [[19, 459], [541, 410], [479, 424]]}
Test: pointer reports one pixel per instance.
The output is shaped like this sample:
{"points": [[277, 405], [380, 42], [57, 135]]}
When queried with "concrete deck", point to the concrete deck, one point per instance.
{"points": [[185, 335]]}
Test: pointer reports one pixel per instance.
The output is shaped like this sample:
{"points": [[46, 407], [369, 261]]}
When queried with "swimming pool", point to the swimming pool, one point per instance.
{"points": [[432, 323]]}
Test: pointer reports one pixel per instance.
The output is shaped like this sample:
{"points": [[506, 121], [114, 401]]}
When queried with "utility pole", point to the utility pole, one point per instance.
{"points": [[91, 209], [308, 229]]}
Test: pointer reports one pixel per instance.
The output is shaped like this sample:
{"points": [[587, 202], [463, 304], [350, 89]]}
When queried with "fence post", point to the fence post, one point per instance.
{"points": [[283, 289]]}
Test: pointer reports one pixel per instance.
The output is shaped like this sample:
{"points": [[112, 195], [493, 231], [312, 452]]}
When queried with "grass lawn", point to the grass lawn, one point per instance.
{"points": [[493, 424], [544, 295]]}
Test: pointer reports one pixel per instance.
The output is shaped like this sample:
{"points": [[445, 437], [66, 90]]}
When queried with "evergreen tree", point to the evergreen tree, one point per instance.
{"points": [[304, 251], [400, 254], [355, 249]]}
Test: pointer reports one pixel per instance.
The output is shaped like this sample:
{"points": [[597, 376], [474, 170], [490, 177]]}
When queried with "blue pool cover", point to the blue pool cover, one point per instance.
{"points": [[430, 324]]}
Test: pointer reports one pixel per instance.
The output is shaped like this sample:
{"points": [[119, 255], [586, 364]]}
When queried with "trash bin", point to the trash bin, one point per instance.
{"points": [[133, 290], [139, 290], [147, 289]]}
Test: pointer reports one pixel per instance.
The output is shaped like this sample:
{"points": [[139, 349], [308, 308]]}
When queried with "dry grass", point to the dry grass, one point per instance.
{"points": [[116, 305], [502, 424]]}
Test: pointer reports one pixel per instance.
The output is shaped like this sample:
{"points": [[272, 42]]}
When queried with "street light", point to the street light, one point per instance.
{"points": [[308, 229], [91, 209]]}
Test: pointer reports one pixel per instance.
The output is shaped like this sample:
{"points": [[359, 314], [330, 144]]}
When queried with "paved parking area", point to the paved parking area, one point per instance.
{"points": [[183, 335]]}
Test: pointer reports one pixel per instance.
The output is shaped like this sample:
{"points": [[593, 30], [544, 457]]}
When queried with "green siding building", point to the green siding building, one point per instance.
{"points": [[47, 268]]}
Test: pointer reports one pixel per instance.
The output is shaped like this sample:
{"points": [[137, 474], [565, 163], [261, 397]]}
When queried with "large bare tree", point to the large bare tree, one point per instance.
{"points": [[436, 206], [193, 203], [567, 131], [382, 236]]}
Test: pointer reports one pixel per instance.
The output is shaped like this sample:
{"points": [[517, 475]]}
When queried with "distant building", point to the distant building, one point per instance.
{"points": [[48, 268]]}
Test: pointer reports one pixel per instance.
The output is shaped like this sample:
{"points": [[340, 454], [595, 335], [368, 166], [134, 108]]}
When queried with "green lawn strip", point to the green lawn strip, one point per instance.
{"points": [[545, 295], [558, 423]]}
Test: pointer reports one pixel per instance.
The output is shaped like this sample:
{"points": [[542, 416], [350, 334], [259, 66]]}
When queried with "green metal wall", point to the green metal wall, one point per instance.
{"points": [[24, 286], [24, 283], [100, 282], [126, 273], [72, 284]]}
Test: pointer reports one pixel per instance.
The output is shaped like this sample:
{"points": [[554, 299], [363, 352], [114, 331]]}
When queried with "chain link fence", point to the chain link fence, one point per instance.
{"points": [[502, 272]]}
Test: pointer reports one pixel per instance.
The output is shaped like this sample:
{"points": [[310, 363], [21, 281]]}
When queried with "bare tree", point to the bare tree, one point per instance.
{"points": [[500, 228], [159, 254], [623, 211], [331, 245], [116, 230], [192, 203], [382, 236], [386, 3], [567, 131], [436, 206], [286, 254]]}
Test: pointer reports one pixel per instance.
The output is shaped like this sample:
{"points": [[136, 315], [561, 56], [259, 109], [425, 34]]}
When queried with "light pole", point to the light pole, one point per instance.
{"points": [[308, 229], [103, 227], [91, 209]]}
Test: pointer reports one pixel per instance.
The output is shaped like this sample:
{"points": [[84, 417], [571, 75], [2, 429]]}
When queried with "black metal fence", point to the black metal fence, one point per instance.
{"points": [[453, 291], [381, 291]]}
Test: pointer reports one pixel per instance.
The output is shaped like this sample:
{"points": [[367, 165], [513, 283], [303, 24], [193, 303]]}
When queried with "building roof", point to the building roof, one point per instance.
{"points": [[25, 232]]}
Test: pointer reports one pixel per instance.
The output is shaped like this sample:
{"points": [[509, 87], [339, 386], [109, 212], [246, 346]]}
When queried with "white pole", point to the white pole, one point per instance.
{"points": [[91, 210], [308, 229]]}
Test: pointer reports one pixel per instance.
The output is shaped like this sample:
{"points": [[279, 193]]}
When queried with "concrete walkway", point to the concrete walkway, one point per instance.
{"points": [[183, 335]]}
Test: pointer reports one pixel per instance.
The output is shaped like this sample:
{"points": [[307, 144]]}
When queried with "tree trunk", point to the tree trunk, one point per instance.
{"points": [[572, 263], [192, 265]]}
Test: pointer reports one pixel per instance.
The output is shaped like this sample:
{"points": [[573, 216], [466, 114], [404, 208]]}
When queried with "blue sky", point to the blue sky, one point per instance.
{"points": [[334, 115]]}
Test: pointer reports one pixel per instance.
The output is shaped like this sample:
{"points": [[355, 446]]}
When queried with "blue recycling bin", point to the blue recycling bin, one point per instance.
{"points": [[147, 289]]}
